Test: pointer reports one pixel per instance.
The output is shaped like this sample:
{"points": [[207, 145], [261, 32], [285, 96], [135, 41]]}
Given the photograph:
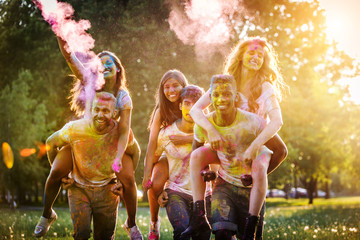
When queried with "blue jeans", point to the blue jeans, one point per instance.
{"points": [[179, 210], [230, 206], [97, 203]]}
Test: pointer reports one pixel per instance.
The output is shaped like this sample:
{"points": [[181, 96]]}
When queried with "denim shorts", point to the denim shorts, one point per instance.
{"points": [[97, 203], [179, 209], [230, 207]]}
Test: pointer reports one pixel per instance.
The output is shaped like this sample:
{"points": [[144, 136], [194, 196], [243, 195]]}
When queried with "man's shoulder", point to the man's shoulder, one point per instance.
{"points": [[251, 117]]}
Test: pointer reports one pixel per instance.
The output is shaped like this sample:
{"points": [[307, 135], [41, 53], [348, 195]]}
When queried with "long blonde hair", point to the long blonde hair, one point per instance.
{"points": [[269, 70]]}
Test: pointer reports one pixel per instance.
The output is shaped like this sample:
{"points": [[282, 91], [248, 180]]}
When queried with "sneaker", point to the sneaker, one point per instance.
{"points": [[134, 232], [44, 225], [154, 230]]}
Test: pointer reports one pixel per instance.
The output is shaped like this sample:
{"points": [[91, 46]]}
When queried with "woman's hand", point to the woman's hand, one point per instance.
{"points": [[250, 153], [117, 165], [146, 183]]}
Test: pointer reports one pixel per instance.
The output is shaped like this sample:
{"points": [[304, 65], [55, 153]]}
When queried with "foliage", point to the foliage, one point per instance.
{"points": [[321, 128]]}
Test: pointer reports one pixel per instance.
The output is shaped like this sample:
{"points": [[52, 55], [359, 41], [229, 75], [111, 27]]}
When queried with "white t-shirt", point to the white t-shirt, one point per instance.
{"points": [[178, 157]]}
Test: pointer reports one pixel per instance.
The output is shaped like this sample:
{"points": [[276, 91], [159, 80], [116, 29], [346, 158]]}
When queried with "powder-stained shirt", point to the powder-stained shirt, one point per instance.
{"points": [[93, 153], [178, 157], [267, 101], [123, 101], [238, 136]]}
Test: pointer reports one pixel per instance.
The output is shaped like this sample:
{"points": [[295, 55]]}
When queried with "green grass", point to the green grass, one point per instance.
{"points": [[337, 218]]}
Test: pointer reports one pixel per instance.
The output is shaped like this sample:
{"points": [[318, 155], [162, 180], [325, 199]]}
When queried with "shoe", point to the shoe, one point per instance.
{"points": [[154, 230], [44, 224], [134, 232], [250, 227], [198, 221], [208, 175]]}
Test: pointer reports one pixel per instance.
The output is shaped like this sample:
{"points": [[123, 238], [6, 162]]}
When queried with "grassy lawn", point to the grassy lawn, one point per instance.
{"points": [[337, 218]]}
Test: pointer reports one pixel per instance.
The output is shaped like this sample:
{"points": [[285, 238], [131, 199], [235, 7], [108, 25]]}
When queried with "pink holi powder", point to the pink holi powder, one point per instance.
{"points": [[205, 24], [60, 16]]}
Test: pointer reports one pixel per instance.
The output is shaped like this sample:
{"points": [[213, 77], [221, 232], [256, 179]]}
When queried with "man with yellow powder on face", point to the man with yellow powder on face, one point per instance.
{"points": [[94, 144], [230, 199]]}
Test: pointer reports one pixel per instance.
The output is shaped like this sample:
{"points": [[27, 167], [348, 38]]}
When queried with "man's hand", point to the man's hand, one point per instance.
{"points": [[67, 182], [117, 189], [163, 199], [216, 140]]}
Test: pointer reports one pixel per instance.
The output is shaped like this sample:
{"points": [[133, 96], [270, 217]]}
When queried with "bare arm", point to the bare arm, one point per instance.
{"points": [[54, 142], [197, 114], [124, 129], [151, 148], [74, 63], [266, 134], [181, 139]]}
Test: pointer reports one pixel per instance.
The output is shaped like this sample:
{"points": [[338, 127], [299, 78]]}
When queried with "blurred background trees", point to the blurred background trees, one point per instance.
{"points": [[321, 127]]}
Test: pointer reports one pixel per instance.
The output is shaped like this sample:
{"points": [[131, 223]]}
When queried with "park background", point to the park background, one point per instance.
{"points": [[320, 111]]}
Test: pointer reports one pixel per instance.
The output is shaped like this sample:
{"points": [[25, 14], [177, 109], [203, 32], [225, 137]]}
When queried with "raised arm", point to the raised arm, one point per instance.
{"points": [[151, 148], [54, 142], [197, 114], [74, 63]]}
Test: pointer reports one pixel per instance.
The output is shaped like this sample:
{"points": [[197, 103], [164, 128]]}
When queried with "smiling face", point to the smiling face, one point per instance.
{"points": [[253, 57], [109, 65], [172, 89], [102, 113], [223, 96]]}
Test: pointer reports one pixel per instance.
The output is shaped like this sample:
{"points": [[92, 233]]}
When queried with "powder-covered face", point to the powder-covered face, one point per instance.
{"points": [[185, 107], [172, 89], [254, 56], [109, 65], [223, 98], [102, 112]]}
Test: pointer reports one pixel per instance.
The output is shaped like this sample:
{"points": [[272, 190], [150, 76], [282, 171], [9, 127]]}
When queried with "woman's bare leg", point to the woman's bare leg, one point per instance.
{"points": [[160, 175], [127, 179], [200, 159], [61, 167], [280, 152]]}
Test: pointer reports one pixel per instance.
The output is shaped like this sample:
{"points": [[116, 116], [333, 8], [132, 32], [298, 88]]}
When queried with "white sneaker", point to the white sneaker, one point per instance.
{"points": [[134, 232], [154, 230], [44, 225]]}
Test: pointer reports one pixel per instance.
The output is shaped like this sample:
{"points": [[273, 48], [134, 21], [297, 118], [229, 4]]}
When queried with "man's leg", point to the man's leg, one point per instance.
{"points": [[199, 159], [80, 211], [105, 210], [224, 210]]}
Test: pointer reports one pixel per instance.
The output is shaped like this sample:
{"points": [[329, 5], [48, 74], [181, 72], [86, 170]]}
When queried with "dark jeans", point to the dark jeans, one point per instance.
{"points": [[179, 210], [230, 206]]}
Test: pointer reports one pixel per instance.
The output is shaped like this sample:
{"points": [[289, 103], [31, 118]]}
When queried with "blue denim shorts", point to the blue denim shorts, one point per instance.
{"points": [[230, 207]]}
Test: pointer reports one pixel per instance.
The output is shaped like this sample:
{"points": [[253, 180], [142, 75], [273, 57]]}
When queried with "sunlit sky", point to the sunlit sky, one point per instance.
{"points": [[343, 21]]}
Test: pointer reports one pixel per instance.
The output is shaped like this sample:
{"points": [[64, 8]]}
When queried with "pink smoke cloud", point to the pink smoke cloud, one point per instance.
{"points": [[78, 42], [205, 24]]}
